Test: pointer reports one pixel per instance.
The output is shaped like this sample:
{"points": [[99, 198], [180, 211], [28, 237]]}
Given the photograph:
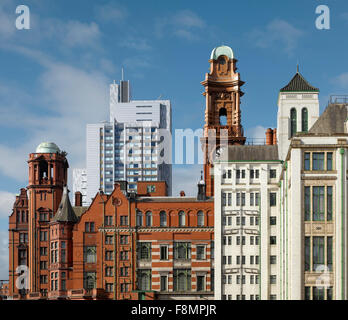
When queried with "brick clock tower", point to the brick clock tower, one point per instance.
{"points": [[222, 113], [47, 177]]}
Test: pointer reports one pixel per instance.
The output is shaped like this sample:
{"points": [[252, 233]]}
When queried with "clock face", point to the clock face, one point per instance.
{"points": [[218, 152]]}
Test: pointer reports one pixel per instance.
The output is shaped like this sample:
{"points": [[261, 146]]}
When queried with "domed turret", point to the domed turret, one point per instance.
{"points": [[47, 147], [222, 51]]}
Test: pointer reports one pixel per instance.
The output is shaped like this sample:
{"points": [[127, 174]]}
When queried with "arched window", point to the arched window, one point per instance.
{"points": [[293, 122], [139, 219], [163, 219], [223, 117], [181, 219], [200, 219], [304, 120], [149, 219]]}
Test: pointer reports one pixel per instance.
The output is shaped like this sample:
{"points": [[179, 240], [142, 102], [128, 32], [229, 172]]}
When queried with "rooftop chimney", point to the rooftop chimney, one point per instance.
{"points": [[275, 136], [269, 137], [201, 189], [78, 199]]}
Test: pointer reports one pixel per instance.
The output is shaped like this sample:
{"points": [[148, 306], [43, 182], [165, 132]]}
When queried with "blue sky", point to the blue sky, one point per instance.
{"points": [[54, 77]]}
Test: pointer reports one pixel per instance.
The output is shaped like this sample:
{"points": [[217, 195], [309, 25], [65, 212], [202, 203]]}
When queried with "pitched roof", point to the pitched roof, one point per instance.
{"points": [[331, 121], [65, 211], [251, 153], [298, 84]]}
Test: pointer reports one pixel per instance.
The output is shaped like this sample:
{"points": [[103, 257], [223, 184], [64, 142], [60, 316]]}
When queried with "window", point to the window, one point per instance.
{"points": [[243, 199], [109, 239], [307, 293], [318, 203], [318, 252], [43, 265], [318, 293], [307, 203], [23, 237], [124, 271], [272, 199], [163, 252], [329, 161], [164, 283], [329, 256], [108, 220], [109, 287], [273, 173], [200, 219], [124, 255], [151, 188], [43, 251], [148, 219], [43, 279], [272, 221], [251, 199], [22, 257], [293, 122], [182, 250], [124, 287], [109, 271], [89, 280], [273, 259], [124, 220], [124, 239], [257, 199], [307, 161], [109, 255], [90, 255], [307, 253], [273, 297], [144, 251], [273, 240], [139, 219], [200, 283], [181, 219], [304, 114], [272, 279], [43, 235], [329, 203], [238, 199], [318, 160], [163, 219], [89, 227], [200, 252], [182, 280]]}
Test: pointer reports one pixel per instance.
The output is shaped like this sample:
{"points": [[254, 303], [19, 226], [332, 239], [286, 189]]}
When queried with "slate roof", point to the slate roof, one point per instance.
{"points": [[298, 84], [252, 153], [65, 211], [331, 121]]}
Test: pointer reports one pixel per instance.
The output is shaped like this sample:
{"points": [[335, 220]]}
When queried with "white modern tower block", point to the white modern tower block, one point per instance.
{"points": [[134, 145]]}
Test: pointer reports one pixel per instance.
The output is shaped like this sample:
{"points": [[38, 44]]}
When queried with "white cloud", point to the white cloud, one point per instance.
{"points": [[278, 33], [185, 178], [135, 43], [341, 80], [183, 24], [81, 34], [111, 13], [7, 200], [256, 135], [74, 98], [4, 262]]}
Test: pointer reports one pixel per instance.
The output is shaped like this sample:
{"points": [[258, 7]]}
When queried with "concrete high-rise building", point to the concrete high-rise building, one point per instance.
{"points": [[80, 183], [134, 145]]}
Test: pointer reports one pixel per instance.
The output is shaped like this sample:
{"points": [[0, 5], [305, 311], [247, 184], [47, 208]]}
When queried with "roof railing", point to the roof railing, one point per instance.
{"points": [[338, 99]]}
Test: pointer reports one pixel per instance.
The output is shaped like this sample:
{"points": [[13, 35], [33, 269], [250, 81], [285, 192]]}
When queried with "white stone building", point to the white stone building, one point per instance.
{"points": [[302, 210]]}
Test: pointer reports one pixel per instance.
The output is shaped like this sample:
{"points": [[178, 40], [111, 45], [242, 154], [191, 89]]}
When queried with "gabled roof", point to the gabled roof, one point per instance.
{"points": [[65, 211], [298, 84], [331, 121]]}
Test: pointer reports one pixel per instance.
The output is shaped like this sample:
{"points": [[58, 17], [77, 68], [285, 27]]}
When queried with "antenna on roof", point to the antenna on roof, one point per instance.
{"points": [[122, 74], [297, 69]]}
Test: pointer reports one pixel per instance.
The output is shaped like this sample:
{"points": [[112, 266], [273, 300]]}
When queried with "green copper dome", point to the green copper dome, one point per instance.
{"points": [[222, 50], [47, 147]]}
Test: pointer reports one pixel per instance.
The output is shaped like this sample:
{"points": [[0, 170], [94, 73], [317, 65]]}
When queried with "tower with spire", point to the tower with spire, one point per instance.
{"points": [[298, 109]]}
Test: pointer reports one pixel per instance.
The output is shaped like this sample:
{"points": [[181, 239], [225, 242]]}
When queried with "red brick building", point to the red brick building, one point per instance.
{"points": [[124, 246]]}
